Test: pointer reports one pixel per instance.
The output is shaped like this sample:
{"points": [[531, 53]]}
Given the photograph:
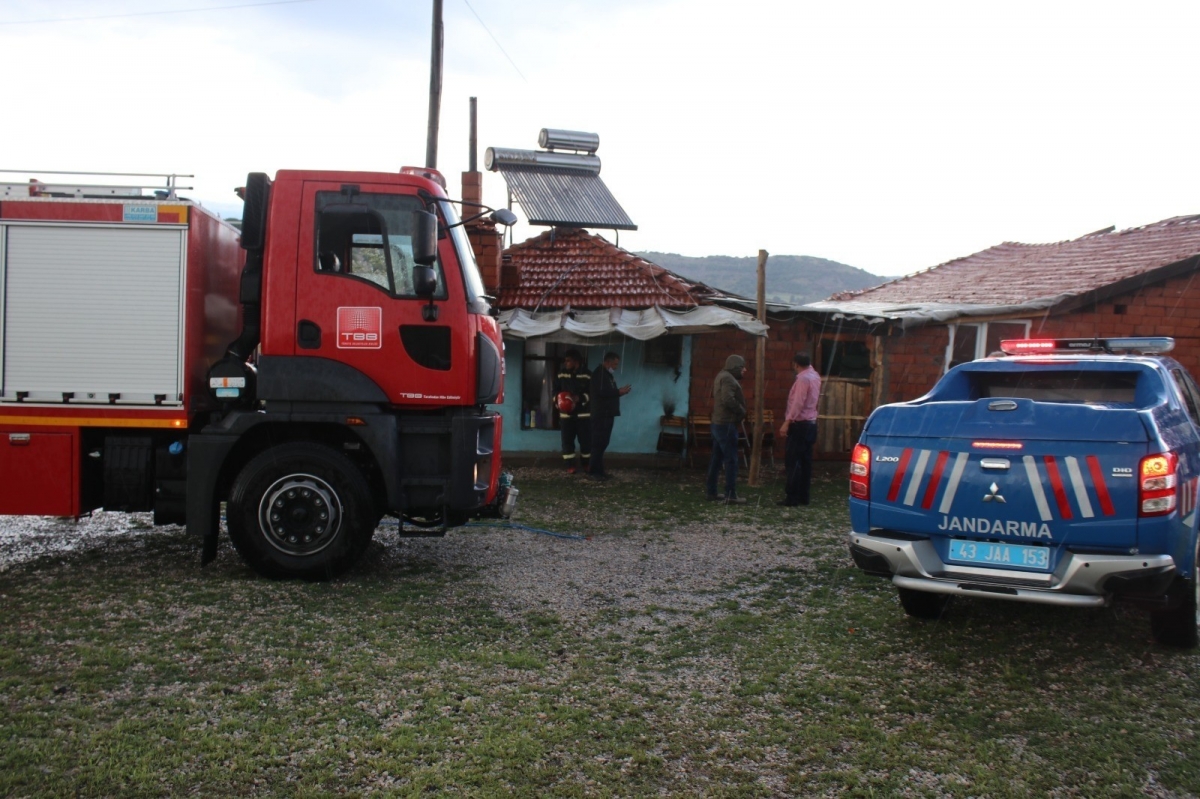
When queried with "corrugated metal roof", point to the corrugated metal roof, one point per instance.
{"points": [[565, 198]]}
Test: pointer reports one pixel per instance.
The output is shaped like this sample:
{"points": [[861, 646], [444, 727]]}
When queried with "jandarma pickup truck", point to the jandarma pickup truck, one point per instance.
{"points": [[1063, 473]]}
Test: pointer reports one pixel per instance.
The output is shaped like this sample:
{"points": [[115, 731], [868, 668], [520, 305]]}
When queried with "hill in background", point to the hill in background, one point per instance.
{"points": [[790, 278]]}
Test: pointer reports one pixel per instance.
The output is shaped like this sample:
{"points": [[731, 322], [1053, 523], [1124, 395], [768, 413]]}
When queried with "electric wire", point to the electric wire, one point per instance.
{"points": [[497, 41]]}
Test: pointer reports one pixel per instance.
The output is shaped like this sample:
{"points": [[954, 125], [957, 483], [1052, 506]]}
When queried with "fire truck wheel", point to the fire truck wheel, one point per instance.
{"points": [[300, 510], [1180, 626], [923, 604]]}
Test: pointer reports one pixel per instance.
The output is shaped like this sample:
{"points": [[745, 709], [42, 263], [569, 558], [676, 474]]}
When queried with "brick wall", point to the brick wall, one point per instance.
{"points": [[710, 350], [1170, 308], [913, 360]]}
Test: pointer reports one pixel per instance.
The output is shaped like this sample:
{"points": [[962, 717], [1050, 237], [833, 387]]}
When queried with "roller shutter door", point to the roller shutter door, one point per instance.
{"points": [[93, 312]]}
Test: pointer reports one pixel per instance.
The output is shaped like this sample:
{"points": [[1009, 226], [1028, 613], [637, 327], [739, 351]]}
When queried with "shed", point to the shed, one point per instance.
{"points": [[895, 340]]}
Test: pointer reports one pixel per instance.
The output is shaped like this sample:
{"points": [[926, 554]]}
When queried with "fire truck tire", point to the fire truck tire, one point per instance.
{"points": [[1180, 626], [301, 510], [922, 604]]}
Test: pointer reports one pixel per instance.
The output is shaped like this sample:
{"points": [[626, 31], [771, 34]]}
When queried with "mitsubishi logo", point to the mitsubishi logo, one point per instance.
{"points": [[993, 494]]}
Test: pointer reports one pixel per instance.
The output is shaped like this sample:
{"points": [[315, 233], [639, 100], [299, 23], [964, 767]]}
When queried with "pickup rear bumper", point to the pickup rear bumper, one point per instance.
{"points": [[1078, 581]]}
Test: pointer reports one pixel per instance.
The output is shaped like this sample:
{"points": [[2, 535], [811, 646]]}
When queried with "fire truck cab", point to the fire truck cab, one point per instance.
{"points": [[330, 363]]}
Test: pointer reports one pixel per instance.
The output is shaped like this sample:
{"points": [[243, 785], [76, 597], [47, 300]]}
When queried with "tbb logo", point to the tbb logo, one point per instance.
{"points": [[359, 328]]}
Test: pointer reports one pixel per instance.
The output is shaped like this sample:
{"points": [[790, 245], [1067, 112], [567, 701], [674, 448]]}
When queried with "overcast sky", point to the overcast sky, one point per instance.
{"points": [[890, 136]]}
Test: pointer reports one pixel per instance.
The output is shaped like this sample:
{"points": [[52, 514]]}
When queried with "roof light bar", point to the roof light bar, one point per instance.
{"points": [[1144, 344]]}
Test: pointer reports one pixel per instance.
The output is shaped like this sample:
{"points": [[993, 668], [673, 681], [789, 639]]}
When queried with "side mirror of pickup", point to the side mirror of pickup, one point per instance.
{"points": [[425, 281], [425, 240]]}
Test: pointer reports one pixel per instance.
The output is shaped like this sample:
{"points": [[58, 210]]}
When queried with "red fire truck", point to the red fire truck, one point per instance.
{"points": [[331, 363]]}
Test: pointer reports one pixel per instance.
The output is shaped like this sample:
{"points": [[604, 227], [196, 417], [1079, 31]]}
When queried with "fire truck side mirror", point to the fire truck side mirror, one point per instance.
{"points": [[256, 196], [424, 281], [503, 216], [425, 238]]}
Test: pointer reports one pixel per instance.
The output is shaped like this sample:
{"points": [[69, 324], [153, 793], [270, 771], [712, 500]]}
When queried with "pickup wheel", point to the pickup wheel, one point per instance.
{"points": [[923, 604], [1180, 626], [301, 510]]}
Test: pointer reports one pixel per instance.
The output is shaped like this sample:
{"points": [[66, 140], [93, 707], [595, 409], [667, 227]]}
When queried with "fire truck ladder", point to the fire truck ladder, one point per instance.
{"points": [[91, 188]]}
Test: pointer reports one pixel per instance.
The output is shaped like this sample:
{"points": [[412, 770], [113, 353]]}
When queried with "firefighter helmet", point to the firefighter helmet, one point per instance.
{"points": [[564, 402]]}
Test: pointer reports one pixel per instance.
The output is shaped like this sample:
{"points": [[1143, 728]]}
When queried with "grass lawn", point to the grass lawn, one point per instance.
{"points": [[684, 649]]}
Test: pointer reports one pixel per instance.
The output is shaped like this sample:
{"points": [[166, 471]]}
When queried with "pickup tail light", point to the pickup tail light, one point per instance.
{"points": [[1158, 482], [860, 472]]}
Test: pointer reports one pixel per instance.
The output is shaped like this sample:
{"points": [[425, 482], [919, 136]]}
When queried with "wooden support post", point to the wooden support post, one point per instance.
{"points": [[760, 367]]}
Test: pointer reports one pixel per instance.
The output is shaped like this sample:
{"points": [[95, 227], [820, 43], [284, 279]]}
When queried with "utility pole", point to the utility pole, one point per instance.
{"points": [[760, 367], [435, 87], [473, 158]]}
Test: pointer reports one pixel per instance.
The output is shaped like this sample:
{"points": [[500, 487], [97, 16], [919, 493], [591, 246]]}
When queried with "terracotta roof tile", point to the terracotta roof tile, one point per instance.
{"points": [[1013, 273], [571, 267]]}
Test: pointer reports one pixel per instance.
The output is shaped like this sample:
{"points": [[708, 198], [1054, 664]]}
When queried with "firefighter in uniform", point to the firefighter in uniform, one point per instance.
{"points": [[572, 389]]}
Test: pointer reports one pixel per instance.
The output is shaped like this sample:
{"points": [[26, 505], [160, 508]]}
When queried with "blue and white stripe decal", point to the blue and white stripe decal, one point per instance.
{"points": [[915, 481], [1081, 494], [1035, 482]]}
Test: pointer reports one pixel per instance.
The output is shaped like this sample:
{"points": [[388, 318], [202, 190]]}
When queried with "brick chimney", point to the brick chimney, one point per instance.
{"points": [[485, 241]]}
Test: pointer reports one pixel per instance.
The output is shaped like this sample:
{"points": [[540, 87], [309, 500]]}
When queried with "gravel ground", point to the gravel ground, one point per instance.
{"points": [[26, 538], [574, 579]]}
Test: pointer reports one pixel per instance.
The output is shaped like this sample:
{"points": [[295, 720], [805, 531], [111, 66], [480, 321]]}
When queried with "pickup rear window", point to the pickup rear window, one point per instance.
{"points": [[1058, 386]]}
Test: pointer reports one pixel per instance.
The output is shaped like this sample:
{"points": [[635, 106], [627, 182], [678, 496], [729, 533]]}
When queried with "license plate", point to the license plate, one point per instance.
{"points": [[1011, 556]]}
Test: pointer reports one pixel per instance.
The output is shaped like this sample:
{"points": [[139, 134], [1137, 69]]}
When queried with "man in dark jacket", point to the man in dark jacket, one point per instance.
{"points": [[573, 379], [729, 409], [606, 406]]}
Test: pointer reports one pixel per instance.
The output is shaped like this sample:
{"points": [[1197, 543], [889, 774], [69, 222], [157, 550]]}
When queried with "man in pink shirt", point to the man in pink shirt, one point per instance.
{"points": [[799, 428]]}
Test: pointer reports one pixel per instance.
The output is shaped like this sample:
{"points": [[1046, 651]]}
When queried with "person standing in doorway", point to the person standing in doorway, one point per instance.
{"points": [[572, 389], [606, 407], [799, 428], [729, 409]]}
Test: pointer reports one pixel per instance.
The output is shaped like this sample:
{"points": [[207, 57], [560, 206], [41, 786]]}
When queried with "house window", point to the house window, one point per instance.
{"points": [[541, 364], [849, 359], [663, 351], [969, 342]]}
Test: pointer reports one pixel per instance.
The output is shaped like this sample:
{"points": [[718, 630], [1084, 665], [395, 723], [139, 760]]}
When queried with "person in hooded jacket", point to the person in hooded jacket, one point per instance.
{"points": [[729, 409]]}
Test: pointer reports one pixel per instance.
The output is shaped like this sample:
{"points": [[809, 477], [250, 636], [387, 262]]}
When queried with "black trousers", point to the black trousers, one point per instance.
{"points": [[798, 460], [573, 427], [601, 434]]}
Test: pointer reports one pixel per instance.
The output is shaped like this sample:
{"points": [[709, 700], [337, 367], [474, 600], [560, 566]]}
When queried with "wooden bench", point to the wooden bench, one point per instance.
{"points": [[673, 436], [699, 437]]}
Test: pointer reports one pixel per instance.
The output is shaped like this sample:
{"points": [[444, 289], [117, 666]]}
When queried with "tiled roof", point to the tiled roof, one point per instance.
{"points": [[1012, 273], [571, 267]]}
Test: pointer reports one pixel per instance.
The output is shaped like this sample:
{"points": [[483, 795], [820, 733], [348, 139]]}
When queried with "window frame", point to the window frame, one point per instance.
{"points": [[551, 355], [981, 337], [327, 197]]}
